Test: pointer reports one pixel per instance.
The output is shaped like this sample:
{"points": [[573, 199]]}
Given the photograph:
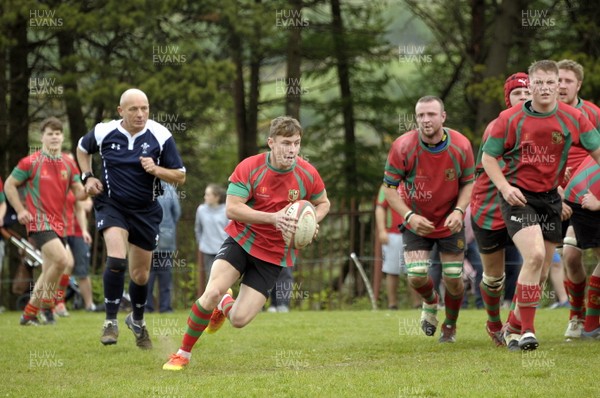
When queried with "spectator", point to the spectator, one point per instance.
{"points": [[166, 251], [210, 229], [281, 294], [557, 277]]}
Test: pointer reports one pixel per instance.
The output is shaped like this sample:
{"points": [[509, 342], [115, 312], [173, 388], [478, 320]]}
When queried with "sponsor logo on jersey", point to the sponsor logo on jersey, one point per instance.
{"points": [[450, 174], [293, 195], [557, 137]]}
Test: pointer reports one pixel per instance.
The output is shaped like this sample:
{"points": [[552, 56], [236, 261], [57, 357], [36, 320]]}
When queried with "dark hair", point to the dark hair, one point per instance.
{"points": [[51, 122], [219, 191]]}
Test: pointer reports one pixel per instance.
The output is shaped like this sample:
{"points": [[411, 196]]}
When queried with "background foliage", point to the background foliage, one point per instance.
{"points": [[216, 72]]}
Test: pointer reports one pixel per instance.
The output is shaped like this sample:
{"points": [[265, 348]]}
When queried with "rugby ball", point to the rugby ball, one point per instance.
{"points": [[305, 213]]}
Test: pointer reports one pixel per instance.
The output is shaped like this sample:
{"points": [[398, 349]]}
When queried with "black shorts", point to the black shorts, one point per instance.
{"points": [[542, 208], [491, 240], [142, 224], [586, 224], [452, 244], [40, 238], [257, 274]]}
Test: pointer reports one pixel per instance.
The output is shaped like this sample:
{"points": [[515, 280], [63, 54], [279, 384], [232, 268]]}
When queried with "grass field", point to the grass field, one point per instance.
{"points": [[299, 354]]}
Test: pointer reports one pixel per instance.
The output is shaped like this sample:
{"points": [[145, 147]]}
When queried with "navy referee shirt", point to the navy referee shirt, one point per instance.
{"points": [[123, 177]]}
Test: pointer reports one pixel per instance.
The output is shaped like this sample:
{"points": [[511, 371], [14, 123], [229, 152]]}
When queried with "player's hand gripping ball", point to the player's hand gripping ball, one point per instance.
{"points": [[306, 228]]}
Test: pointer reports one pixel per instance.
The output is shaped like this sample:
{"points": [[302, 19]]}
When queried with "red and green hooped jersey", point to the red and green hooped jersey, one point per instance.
{"points": [[578, 154], [392, 218], [429, 182], [585, 179], [485, 198], [270, 190], [47, 182], [534, 146]]}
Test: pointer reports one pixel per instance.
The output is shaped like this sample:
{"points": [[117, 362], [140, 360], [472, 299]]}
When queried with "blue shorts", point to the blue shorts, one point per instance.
{"points": [[81, 256], [393, 255], [141, 223]]}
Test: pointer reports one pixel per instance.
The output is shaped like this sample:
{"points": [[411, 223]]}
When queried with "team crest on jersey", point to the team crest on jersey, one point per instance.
{"points": [[557, 137], [145, 147], [460, 244], [293, 195], [450, 174], [64, 175]]}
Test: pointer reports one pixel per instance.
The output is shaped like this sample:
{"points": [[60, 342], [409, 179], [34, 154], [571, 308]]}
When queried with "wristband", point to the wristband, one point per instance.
{"points": [[459, 209], [85, 176], [408, 215]]}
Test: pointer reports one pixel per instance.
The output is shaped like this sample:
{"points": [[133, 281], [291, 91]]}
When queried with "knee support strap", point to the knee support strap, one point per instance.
{"points": [[417, 268], [570, 241], [452, 269], [492, 282], [116, 264]]}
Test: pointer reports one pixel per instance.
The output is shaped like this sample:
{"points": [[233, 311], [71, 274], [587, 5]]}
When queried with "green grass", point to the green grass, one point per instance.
{"points": [[300, 354]]}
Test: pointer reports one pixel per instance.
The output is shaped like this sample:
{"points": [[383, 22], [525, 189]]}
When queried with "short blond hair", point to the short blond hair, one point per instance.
{"points": [[545, 65], [575, 67]]}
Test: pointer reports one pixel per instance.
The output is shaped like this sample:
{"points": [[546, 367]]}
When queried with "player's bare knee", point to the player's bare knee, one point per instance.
{"points": [[453, 284], [238, 323], [140, 277], [210, 298], [60, 266], [238, 320], [416, 281], [535, 259]]}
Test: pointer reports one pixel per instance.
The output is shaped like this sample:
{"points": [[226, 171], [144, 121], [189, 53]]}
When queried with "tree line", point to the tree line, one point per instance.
{"points": [[216, 72]]}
